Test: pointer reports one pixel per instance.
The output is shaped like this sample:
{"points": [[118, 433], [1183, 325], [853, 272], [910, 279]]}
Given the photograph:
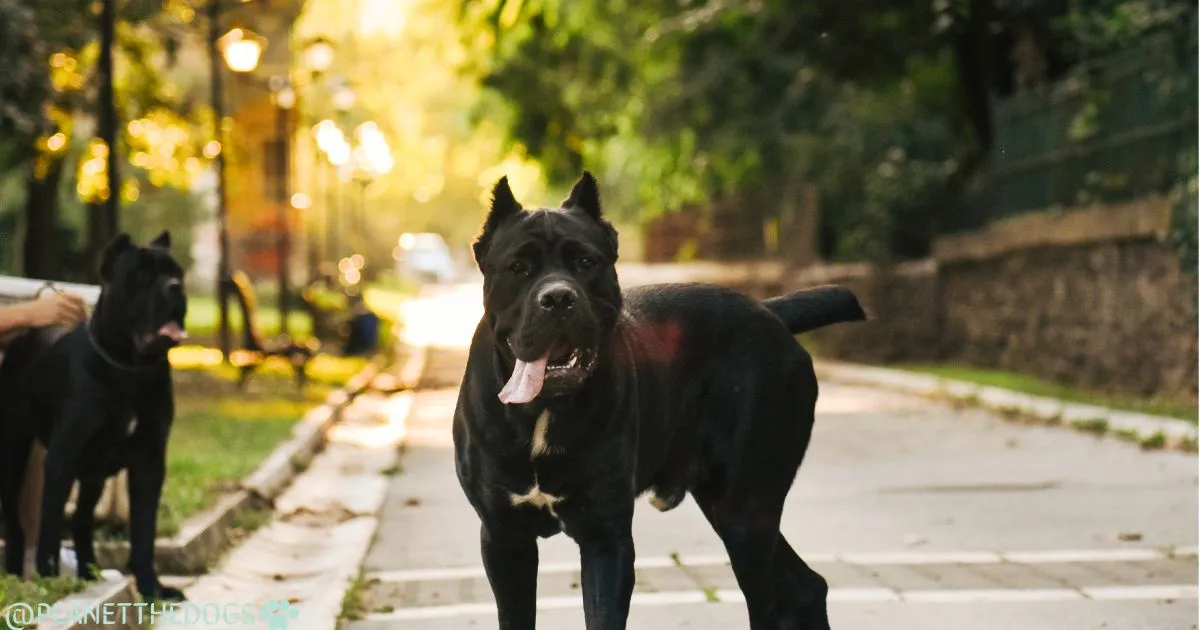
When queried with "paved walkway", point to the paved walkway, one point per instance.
{"points": [[920, 515]]}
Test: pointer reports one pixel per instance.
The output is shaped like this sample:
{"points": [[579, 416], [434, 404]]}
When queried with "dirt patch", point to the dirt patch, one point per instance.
{"points": [[320, 518]]}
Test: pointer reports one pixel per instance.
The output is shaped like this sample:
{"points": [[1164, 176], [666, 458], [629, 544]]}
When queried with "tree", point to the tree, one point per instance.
{"points": [[49, 101], [886, 108]]}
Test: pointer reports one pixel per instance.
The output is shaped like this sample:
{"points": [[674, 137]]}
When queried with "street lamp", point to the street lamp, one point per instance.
{"points": [[331, 141], [372, 158], [241, 52], [318, 55]]}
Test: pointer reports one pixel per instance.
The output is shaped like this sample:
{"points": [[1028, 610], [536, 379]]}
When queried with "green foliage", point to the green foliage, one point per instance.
{"points": [[1184, 201], [23, 84], [674, 103], [48, 105]]}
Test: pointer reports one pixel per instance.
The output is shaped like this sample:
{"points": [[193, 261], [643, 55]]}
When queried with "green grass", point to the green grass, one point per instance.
{"points": [[13, 590], [202, 317], [1038, 387], [354, 605], [1098, 426]]}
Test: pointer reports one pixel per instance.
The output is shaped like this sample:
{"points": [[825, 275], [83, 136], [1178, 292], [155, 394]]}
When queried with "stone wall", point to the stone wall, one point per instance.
{"points": [[902, 307], [1094, 298], [1115, 316]]}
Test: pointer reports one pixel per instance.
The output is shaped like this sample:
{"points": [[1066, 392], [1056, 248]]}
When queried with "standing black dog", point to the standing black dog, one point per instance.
{"points": [[99, 397], [577, 399]]}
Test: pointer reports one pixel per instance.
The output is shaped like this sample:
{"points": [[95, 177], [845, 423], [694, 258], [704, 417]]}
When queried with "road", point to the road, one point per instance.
{"points": [[920, 515]]}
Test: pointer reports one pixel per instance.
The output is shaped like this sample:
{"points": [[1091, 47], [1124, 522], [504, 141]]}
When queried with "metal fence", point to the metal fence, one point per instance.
{"points": [[1112, 131]]}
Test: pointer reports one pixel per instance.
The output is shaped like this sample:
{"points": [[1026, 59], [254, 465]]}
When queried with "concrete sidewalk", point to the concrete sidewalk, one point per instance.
{"points": [[920, 516]]}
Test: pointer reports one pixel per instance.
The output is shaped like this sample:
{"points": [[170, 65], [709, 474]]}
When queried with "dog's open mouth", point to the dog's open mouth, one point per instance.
{"points": [[562, 357], [561, 369], [172, 332]]}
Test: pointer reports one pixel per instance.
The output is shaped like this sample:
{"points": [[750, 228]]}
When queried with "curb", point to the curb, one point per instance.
{"points": [[1149, 430], [206, 535], [92, 608]]}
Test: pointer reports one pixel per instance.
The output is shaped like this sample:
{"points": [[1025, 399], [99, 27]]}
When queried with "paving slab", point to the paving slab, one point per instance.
{"points": [[921, 514], [300, 563]]}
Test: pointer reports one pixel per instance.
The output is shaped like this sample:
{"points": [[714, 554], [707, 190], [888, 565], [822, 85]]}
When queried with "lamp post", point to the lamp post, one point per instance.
{"points": [[241, 52], [332, 143], [317, 58], [372, 158], [343, 100], [285, 99]]}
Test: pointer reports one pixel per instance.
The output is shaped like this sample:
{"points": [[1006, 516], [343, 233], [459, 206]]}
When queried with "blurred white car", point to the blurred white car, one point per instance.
{"points": [[425, 257]]}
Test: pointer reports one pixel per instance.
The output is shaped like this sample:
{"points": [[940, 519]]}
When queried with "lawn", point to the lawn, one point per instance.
{"points": [[14, 590], [385, 299], [202, 318], [221, 435], [1038, 387]]}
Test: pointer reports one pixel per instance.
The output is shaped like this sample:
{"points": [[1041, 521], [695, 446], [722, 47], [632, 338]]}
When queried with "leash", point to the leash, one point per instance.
{"points": [[125, 367]]}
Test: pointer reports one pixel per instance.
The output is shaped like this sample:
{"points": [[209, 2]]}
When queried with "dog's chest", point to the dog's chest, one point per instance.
{"points": [[547, 486], [109, 449]]}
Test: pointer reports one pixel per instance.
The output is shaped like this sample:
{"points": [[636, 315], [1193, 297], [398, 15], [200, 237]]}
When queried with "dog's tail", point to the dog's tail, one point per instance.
{"points": [[810, 309]]}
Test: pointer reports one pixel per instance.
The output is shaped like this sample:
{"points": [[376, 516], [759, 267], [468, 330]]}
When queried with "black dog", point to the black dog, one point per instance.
{"points": [[99, 397], [577, 399]]}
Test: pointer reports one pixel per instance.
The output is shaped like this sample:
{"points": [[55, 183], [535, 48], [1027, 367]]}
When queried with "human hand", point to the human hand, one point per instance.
{"points": [[54, 308]]}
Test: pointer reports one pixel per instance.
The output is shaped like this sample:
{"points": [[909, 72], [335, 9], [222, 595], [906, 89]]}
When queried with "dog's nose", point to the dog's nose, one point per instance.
{"points": [[557, 297]]}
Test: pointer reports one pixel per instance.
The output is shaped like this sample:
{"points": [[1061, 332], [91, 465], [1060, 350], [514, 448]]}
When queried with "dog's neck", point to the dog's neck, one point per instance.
{"points": [[114, 347]]}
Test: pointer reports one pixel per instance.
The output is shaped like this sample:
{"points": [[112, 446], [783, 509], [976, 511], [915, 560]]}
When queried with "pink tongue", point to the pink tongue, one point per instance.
{"points": [[525, 382], [173, 331]]}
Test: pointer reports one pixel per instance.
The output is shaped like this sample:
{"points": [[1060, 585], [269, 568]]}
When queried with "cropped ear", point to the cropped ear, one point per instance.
{"points": [[162, 241], [585, 195], [120, 245], [504, 206]]}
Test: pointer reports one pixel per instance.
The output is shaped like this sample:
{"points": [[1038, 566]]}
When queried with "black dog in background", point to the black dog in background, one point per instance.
{"points": [[99, 397], [577, 398]]}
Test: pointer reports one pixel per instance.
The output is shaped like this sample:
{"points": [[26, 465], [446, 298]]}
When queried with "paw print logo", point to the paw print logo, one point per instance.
{"points": [[278, 613]]}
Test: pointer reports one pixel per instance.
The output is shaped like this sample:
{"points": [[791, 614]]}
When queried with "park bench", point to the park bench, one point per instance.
{"points": [[256, 350]]}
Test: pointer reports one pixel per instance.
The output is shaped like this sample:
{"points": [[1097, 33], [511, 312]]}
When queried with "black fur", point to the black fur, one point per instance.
{"points": [[692, 388], [99, 397]]}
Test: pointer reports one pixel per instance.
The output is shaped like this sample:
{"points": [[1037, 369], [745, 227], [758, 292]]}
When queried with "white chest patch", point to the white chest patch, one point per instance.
{"points": [[536, 498], [539, 444], [132, 426]]}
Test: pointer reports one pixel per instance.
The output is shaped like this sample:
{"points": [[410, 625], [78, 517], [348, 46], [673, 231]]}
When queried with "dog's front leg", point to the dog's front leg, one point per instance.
{"points": [[62, 455], [83, 525], [607, 562], [147, 472], [511, 562]]}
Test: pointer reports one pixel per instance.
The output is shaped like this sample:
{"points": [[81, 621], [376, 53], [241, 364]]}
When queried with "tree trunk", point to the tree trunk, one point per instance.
{"points": [[42, 258], [97, 239], [976, 71], [108, 122]]}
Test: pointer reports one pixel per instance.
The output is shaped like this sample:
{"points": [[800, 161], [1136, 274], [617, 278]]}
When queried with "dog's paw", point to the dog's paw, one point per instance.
{"points": [[171, 594], [163, 594], [88, 572]]}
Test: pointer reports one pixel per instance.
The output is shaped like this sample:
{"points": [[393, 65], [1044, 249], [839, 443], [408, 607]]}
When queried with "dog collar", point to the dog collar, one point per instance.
{"points": [[113, 362]]}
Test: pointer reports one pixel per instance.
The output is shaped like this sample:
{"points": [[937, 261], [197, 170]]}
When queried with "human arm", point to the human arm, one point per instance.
{"points": [[50, 309]]}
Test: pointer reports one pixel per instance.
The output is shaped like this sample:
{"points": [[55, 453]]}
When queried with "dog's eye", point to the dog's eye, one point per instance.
{"points": [[586, 262], [518, 267]]}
